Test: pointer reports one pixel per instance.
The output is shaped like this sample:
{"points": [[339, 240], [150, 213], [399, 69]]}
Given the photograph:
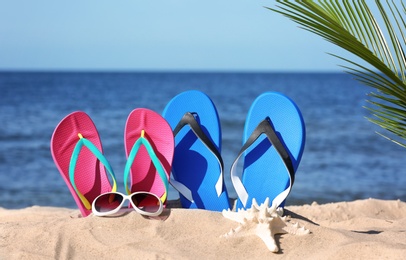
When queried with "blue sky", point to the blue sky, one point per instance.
{"points": [[180, 35]]}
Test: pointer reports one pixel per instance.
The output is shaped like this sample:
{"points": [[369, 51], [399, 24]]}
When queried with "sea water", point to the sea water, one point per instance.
{"points": [[344, 159]]}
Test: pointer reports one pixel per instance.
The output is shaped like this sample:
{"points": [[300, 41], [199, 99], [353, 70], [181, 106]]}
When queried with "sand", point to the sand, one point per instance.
{"points": [[364, 229]]}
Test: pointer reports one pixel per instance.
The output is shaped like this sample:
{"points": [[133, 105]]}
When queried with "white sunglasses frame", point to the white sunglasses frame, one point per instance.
{"points": [[128, 197]]}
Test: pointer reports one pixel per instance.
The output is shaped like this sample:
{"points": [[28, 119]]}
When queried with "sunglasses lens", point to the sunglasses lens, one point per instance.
{"points": [[146, 202], [108, 202]]}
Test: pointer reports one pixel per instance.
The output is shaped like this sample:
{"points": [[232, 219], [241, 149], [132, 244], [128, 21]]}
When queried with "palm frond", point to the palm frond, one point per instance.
{"points": [[352, 26]]}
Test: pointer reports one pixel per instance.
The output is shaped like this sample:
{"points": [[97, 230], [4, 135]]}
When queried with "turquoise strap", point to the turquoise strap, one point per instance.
{"points": [[134, 150], [72, 165]]}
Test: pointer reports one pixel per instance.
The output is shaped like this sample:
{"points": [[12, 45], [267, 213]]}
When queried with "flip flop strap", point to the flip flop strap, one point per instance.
{"points": [[189, 119], [154, 158], [72, 165], [264, 127]]}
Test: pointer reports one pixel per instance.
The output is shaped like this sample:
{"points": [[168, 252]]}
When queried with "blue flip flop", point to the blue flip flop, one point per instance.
{"points": [[197, 163], [273, 143]]}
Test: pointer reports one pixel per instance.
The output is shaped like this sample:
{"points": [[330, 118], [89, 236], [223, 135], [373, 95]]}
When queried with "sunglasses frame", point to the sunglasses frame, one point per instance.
{"points": [[128, 197]]}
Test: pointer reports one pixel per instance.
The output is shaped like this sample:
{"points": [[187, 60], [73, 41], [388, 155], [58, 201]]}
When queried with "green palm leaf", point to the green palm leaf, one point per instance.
{"points": [[353, 27]]}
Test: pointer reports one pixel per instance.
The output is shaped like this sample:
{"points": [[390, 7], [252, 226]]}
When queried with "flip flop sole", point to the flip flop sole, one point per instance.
{"points": [[264, 172], [90, 176], [144, 176], [194, 164]]}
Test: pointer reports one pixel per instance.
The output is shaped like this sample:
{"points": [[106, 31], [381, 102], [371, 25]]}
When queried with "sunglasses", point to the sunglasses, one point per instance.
{"points": [[145, 203]]}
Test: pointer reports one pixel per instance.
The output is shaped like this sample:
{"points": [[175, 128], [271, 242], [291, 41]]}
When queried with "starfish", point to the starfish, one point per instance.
{"points": [[263, 221]]}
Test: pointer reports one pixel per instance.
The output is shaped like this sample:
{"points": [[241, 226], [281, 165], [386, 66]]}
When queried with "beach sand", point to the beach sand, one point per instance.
{"points": [[364, 229]]}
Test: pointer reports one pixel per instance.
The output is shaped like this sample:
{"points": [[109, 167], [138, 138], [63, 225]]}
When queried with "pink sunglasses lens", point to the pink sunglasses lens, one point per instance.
{"points": [[108, 202], [146, 202]]}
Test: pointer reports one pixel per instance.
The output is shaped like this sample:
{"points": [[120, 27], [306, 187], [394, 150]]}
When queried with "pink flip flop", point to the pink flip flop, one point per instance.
{"points": [[90, 178], [149, 164]]}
